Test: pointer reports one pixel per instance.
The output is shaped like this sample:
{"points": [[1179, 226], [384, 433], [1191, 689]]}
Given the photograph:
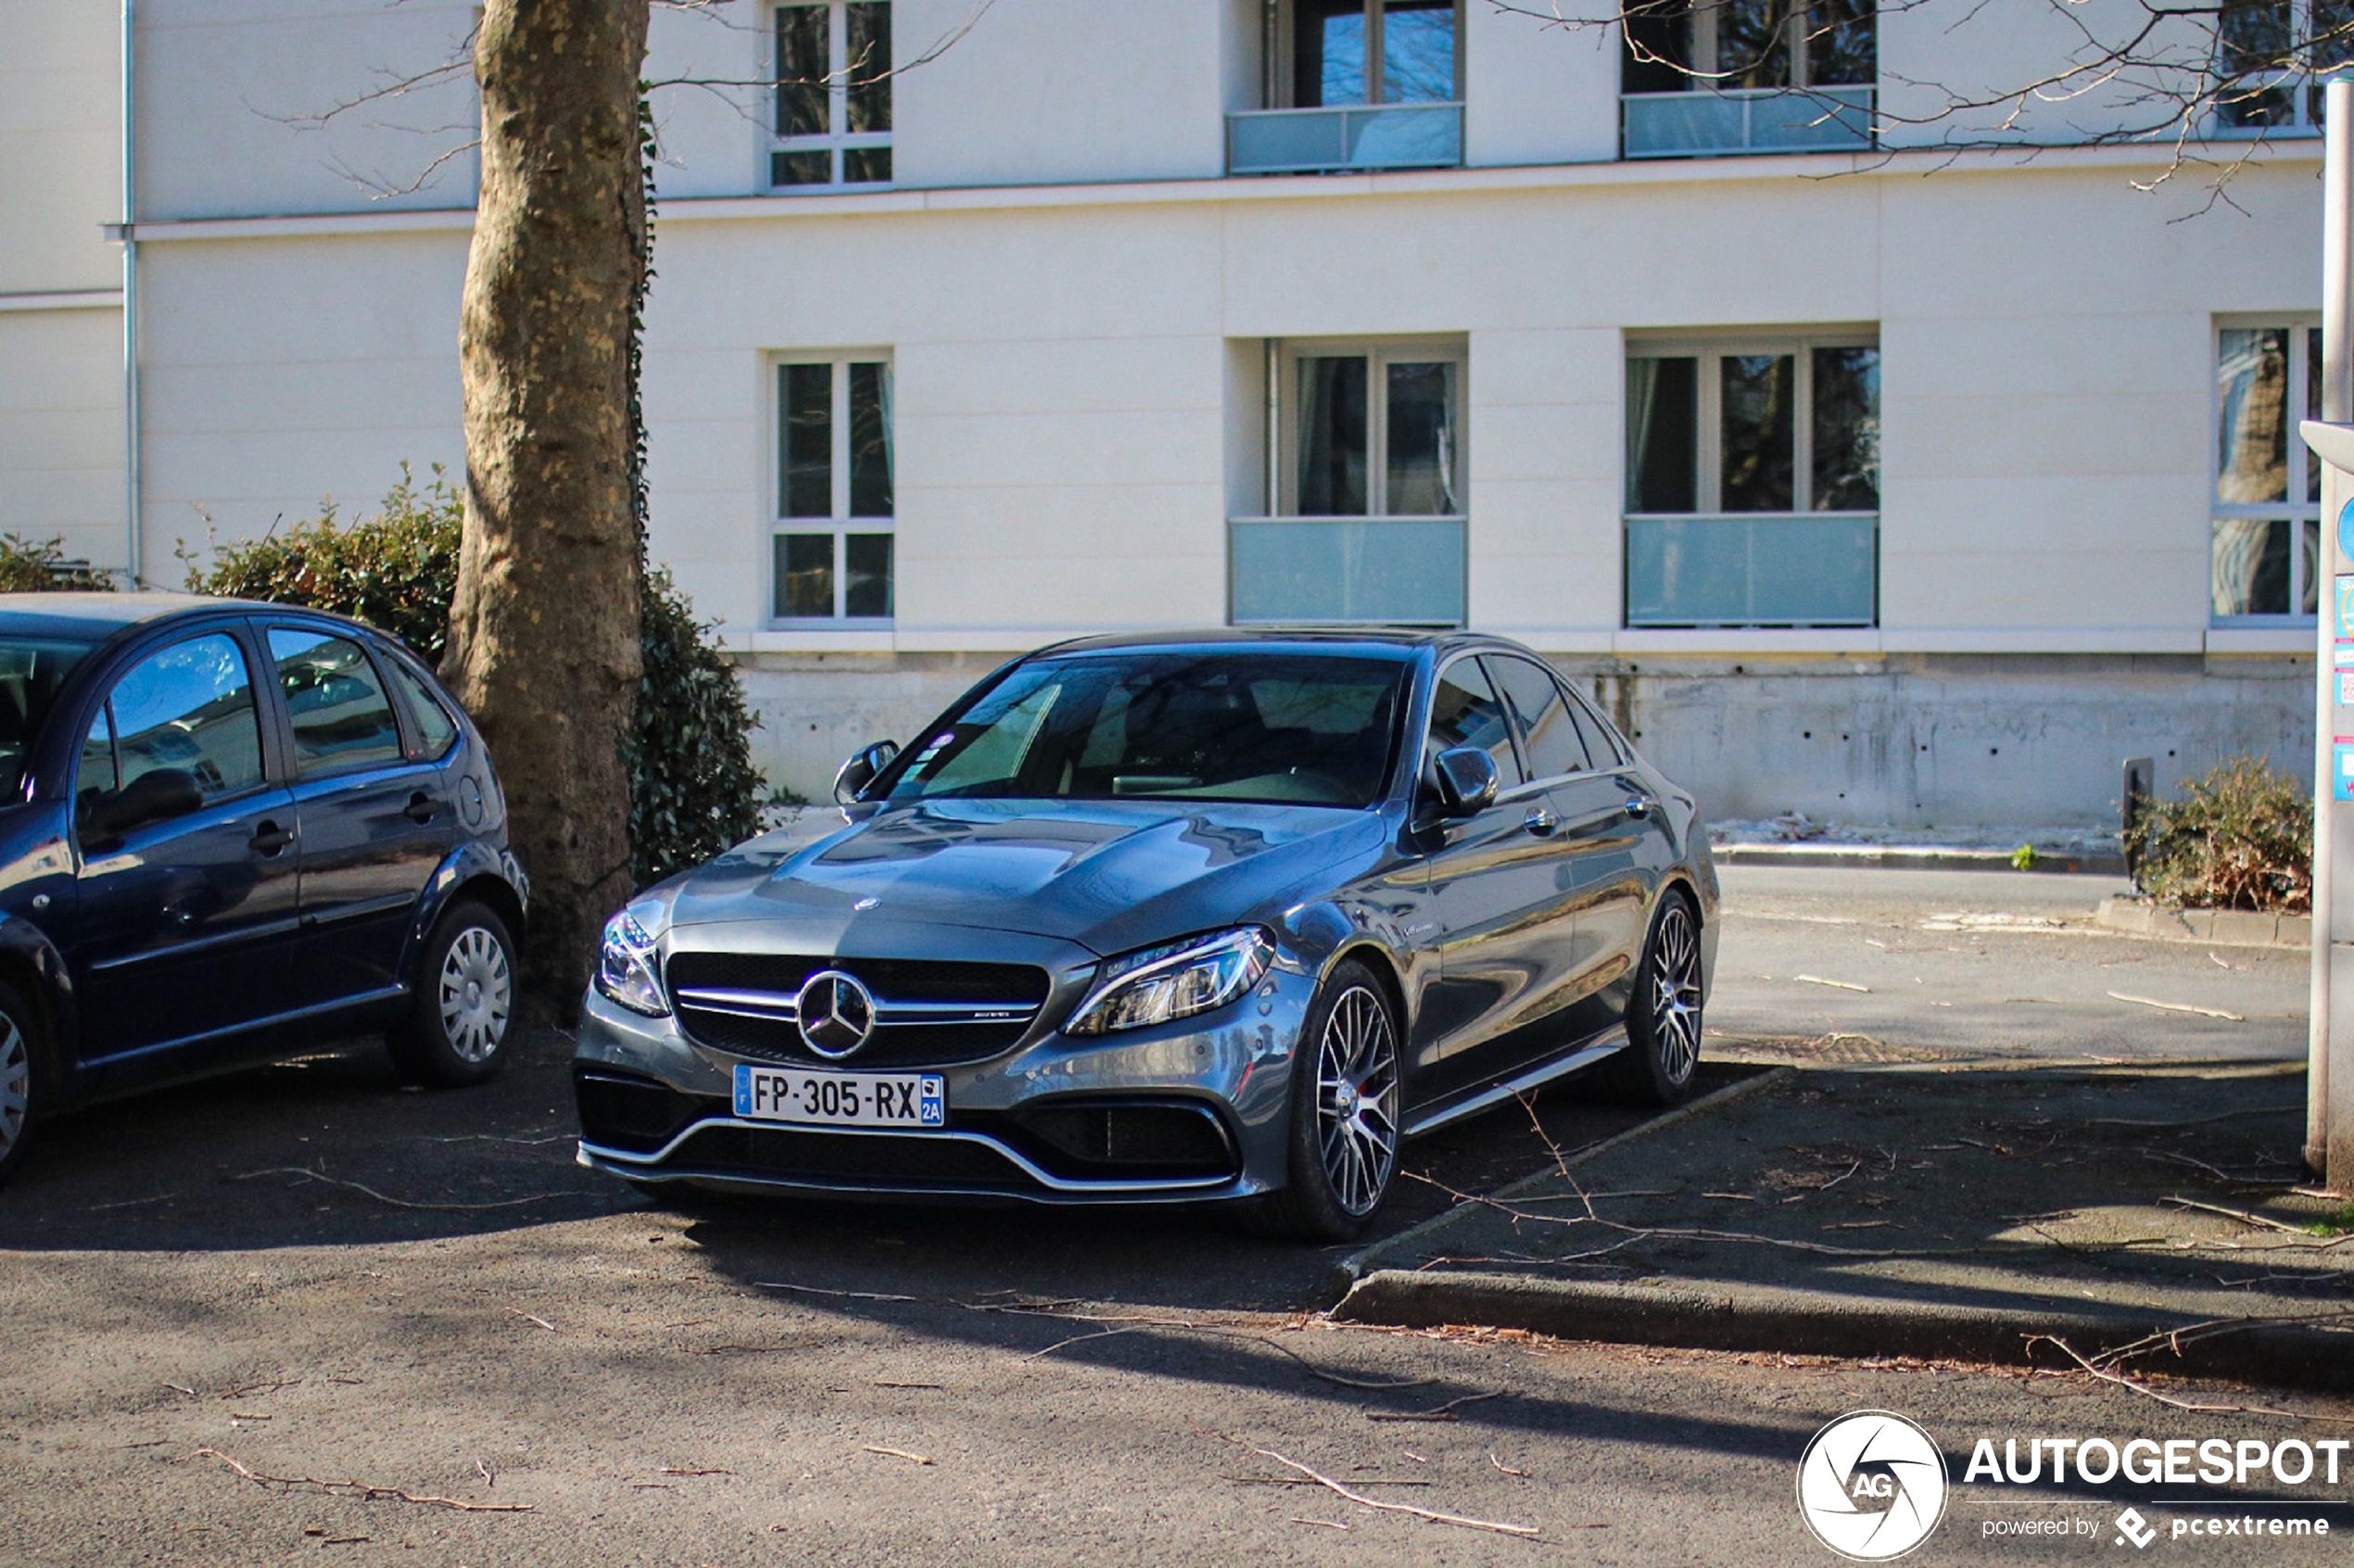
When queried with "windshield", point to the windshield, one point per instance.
{"points": [[1291, 729], [31, 674]]}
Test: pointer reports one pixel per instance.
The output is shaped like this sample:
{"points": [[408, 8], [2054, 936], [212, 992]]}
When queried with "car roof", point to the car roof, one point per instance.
{"points": [[1391, 640], [97, 616]]}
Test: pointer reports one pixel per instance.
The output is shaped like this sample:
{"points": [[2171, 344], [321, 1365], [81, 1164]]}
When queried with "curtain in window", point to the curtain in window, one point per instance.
{"points": [[1662, 435], [1421, 441], [1332, 437]]}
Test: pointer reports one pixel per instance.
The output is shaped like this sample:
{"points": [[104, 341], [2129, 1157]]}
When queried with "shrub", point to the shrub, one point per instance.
{"points": [[2240, 837], [693, 790], [39, 566]]}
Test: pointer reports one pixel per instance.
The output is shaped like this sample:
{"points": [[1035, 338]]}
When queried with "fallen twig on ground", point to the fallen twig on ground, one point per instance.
{"points": [[819, 1290], [2298, 1108], [1498, 1528], [1312, 1370], [364, 1189], [1436, 1412], [364, 1490], [2240, 1214], [2178, 1007], [1836, 985], [1500, 1465], [674, 1470], [519, 1312], [1326, 1524], [2218, 1171], [2144, 1389], [895, 1453]]}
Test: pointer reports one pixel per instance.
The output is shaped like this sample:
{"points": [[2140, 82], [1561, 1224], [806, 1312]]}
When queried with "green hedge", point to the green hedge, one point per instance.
{"points": [[30, 566], [2240, 837], [693, 789]]}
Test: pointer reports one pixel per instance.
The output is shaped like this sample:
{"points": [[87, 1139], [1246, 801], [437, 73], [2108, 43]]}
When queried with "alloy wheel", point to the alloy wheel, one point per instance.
{"points": [[1357, 1100], [1675, 994], [15, 1083], [477, 993]]}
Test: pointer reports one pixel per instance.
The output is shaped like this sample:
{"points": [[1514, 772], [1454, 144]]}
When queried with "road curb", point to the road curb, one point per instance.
{"points": [[1917, 857], [1366, 1260], [2216, 928], [1717, 1316]]}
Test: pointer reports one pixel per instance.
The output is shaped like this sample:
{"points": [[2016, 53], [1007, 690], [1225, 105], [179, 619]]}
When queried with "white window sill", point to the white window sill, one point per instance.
{"points": [[869, 638]]}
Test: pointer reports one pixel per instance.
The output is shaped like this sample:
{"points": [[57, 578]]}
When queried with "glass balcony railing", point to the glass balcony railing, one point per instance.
{"points": [[1340, 571], [1705, 122], [1753, 569], [1315, 140]]}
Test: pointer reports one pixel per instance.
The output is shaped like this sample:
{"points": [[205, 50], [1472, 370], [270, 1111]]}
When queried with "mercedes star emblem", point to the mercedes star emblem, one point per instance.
{"points": [[836, 1014]]}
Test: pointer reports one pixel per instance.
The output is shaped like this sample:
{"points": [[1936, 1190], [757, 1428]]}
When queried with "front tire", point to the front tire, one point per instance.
{"points": [[1661, 1058], [22, 1091], [1345, 1113], [461, 1016]]}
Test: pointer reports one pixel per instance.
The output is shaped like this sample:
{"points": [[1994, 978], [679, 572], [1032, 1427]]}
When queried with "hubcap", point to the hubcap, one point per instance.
{"points": [[1357, 1100], [477, 993], [1675, 994], [16, 1082]]}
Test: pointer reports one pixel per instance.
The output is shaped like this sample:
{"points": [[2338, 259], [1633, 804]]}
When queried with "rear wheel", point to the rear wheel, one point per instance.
{"points": [[462, 1016], [1345, 1121], [20, 1074], [1663, 1020]]}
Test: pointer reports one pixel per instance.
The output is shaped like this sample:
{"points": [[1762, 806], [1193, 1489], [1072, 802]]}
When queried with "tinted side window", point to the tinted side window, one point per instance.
{"points": [[1547, 731], [1465, 711], [190, 707], [1603, 741], [435, 728], [342, 718]]}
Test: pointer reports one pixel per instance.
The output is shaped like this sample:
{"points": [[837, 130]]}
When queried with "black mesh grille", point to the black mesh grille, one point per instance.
{"points": [[902, 1161], [621, 1112], [890, 979], [1113, 1139]]}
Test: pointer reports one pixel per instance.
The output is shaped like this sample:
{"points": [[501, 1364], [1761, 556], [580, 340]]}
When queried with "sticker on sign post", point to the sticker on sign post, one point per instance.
{"points": [[2345, 608], [2342, 769], [2345, 530]]}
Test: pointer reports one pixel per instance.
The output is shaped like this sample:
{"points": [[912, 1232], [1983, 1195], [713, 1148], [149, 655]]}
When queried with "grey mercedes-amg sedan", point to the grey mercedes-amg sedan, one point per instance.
{"points": [[1193, 918]]}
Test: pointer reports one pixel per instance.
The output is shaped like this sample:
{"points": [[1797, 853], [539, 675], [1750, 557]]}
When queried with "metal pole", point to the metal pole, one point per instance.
{"points": [[132, 498], [2328, 1126]]}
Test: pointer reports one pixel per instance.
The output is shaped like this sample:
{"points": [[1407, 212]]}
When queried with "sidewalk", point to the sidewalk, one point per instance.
{"points": [[1957, 1210]]}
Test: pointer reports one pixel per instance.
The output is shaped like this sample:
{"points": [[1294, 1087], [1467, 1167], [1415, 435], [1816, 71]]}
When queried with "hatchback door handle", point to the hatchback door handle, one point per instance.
{"points": [[422, 807], [1639, 806], [269, 838], [1541, 822]]}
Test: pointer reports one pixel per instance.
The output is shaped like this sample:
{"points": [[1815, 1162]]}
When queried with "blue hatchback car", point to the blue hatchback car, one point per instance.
{"points": [[231, 831]]}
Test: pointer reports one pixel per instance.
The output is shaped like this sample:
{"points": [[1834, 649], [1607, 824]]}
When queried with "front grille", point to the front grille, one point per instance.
{"points": [[1018, 988], [912, 1160]]}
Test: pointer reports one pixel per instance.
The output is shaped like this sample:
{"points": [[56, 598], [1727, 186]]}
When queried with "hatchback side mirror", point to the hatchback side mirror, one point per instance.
{"points": [[861, 769], [152, 797], [1467, 781]]}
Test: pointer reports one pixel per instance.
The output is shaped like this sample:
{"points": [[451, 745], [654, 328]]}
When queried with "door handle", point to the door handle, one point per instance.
{"points": [[269, 838], [1639, 807], [421, 808], [1541, 822]]}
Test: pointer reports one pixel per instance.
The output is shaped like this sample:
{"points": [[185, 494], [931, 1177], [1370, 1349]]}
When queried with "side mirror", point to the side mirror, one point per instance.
{"points": [[1467, 781], [861, 769], [152, 797]]}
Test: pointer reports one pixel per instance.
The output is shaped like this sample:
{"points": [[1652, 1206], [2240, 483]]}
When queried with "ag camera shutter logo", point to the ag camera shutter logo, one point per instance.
{"points": [[1871, 1485]]}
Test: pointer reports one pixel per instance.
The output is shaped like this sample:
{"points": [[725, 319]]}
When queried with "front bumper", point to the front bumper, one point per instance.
{"points": [[1195, 1111]]}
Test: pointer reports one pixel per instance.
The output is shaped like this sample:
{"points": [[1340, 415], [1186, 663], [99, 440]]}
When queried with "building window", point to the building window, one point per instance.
{"points": [[1356, 85], [832, 549], [1753, 483], [833, 95], [2267, 487], [2270, 57], [1726, 76], [1367, 511]]}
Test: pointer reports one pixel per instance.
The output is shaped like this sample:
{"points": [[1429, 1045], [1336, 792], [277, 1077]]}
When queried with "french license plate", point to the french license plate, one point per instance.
{"points": [[841, 1099]]}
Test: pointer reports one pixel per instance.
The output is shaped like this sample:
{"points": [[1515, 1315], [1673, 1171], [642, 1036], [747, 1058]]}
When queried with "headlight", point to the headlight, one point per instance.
{"points": [[625, 962], [1159, 984]]}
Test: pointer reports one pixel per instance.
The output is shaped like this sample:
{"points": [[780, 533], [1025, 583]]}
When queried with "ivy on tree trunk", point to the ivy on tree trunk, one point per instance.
{"points": [[543, 639]]}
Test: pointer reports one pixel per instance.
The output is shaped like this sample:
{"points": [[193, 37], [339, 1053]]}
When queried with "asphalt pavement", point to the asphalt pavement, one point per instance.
{"points": [[383, 1303]]}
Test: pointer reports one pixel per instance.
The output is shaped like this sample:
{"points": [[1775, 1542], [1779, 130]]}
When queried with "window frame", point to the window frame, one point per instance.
{"points": [[1379, 354], [840, 522], [403, 724], [2303, 83], [1505, 788], [1708, 485], [838, 138], [268, 714], [1283, 74], [2302, 516]]}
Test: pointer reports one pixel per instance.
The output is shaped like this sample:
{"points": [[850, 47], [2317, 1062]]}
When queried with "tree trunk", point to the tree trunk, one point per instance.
{"points": [[543, 640]]}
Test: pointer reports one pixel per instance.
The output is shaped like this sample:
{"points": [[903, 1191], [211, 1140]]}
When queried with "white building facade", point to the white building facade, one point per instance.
{"points": [[1856, 476]]}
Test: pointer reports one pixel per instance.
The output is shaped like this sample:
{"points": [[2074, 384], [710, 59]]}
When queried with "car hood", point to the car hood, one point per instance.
{"points": [[1108, 875]]}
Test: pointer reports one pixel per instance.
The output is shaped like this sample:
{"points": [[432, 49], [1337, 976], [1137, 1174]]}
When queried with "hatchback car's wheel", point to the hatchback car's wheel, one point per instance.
{"points": [[1344, 1117], [462, 1014], [20, 1074], [1663, 1020]]}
